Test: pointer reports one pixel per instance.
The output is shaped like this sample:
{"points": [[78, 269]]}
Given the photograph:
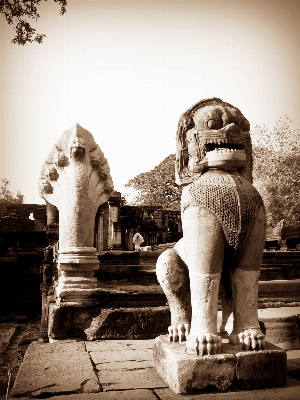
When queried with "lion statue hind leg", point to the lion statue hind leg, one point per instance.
{"points": [[172, 274], [244, 278]]}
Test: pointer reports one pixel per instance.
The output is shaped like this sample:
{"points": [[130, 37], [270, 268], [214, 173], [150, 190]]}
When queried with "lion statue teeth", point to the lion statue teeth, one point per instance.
{"points": [[224, 223]]}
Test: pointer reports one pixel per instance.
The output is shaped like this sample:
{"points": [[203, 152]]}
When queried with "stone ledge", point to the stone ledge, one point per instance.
{"points": [[186, 373], [90, 323]]}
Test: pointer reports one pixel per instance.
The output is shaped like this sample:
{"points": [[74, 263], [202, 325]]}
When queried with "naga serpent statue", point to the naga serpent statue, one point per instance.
{"points": [[224, 223]]}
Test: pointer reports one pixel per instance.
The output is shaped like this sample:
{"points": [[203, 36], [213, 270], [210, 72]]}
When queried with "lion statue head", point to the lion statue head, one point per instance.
{"points": [[212, 134]]}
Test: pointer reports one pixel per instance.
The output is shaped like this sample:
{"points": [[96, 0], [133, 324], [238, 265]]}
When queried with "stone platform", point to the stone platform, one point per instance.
{"points": [[132, 311], [119, 302], [185, 373], [119, 369]]}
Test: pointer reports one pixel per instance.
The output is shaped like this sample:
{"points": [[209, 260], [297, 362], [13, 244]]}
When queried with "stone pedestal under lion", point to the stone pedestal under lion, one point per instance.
{"points": [[224, 223]]}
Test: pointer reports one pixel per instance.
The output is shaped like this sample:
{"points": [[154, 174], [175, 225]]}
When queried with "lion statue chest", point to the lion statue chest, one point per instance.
{"points": [[232, 198]]}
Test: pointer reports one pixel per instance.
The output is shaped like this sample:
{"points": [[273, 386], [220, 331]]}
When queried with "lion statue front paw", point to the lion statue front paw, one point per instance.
{"points": [[204, 344], [179, 332], [249, 339]]}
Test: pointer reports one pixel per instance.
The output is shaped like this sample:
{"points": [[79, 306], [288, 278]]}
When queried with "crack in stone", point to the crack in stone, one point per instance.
{"points": [[50, 394], [119, 361], [95, 369], [35, 393]]}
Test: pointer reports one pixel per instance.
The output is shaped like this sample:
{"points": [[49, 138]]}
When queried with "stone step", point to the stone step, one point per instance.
{"points": [[269, 291], [124, 293], [139, 312], [275, 264], [278, 291], [270, 273], [147, 276]]}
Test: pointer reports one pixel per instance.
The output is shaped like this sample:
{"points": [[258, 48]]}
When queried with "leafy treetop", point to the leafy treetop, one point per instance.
{"points": [[17, 13], [157, 187], [6, 196], [276, 173]]}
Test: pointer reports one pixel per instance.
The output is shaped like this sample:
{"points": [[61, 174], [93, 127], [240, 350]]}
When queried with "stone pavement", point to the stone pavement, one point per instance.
{"points": [[123, 369], [116, 369]]}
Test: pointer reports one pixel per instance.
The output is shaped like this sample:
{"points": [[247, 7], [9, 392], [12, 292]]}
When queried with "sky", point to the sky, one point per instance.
{"points": [[127, 69]]}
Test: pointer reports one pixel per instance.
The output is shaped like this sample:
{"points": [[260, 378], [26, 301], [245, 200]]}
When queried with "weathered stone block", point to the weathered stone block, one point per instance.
{"points": [[92, 323], [131, 323], [261, 369], [184, 372]]}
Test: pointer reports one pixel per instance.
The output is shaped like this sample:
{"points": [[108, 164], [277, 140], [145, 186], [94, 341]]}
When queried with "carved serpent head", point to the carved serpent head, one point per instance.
{"points": [[77, 148], [212, 134]]}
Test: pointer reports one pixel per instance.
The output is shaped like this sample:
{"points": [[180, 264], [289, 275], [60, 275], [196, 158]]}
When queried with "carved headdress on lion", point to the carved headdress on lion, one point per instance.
{"points": [[208, 125]]}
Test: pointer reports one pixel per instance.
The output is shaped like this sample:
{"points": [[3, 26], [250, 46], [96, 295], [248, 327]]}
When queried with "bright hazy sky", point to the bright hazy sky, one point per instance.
{"points": [[126, 71]]}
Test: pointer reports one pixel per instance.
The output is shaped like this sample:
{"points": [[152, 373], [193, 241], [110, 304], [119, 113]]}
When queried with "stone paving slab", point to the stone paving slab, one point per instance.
{"points": [[57, 368], [108, 351], [126, 364], [293, 360], [293, 364], [146, 378], [71, 366], [281, 312], [138, 394], [290, 391], [294, 356]]}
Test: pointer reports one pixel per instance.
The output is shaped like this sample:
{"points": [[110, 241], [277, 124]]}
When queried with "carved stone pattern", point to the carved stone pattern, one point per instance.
{"points": [[234, 204], [77, 219], [76, 179]]}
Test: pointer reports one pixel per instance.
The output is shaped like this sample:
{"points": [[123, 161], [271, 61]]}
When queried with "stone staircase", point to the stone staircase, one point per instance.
{"points": [[280, 265], [147, 268], [132, 304], [134, 272], [276, 265]]}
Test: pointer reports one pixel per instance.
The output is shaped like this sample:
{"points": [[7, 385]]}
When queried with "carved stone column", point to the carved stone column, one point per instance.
{"points": [[100, 230], [76, 179]]}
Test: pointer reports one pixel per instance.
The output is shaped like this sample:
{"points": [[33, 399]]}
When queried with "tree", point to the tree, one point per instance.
{"points": [[17, 13], [6, 196], [157, 187], [276, 171]]}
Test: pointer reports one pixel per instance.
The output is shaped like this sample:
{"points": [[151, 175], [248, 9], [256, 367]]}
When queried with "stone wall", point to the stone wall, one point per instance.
{"points": [[22, 217]]}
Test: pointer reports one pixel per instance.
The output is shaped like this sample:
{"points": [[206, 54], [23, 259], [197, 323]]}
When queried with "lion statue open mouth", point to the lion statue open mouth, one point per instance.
{"points": [[224, 224]]}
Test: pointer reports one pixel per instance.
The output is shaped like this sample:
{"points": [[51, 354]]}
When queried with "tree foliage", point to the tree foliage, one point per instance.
{"points": [[18, 12], [276, 170], [276, 173], [157, 187], [6, 196]]}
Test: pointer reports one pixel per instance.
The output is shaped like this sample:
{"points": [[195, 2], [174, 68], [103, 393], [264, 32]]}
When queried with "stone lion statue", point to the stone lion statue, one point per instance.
{"points": [[223, 220]]}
